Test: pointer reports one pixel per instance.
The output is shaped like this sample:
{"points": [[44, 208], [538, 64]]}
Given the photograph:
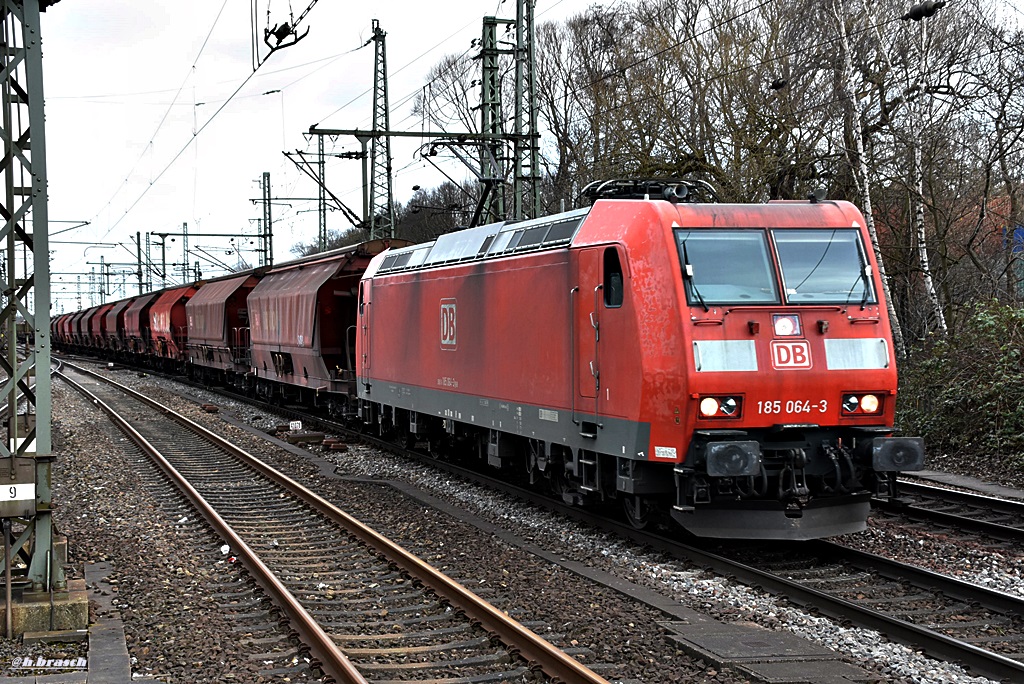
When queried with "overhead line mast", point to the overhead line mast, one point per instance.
{"points": [[382, 208], [26, 454], [378, 204], [526, 140]]}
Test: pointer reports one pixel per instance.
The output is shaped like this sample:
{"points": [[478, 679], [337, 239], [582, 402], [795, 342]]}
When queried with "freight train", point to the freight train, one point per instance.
{"points": [[728, 367]]}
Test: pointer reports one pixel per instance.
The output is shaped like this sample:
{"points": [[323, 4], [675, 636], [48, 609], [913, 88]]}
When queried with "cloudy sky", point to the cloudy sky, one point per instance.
{"points": [[143, 134]]}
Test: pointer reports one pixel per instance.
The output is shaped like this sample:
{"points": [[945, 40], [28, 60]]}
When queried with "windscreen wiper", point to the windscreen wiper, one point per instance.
{"points": [[688, 276], [865, 274]]}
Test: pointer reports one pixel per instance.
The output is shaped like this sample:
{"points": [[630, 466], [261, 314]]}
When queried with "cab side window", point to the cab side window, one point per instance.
{"points": [[613, 281]]}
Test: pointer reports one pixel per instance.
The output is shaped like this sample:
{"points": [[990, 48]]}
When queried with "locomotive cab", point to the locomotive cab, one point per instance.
{"points": [[793, 381], [765, 366]]}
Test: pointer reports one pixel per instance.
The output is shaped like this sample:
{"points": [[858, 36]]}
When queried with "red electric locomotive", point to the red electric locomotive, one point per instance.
{"points": [[728, 365]]}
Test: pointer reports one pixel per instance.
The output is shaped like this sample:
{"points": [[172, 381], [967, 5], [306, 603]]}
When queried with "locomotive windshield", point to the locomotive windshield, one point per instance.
{"points": [[726, 267], [823, 266], [818, 266]]}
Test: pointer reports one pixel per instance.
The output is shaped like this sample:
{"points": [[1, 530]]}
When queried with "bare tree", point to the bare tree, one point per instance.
{"points": [[858, 163], [770, 100]]}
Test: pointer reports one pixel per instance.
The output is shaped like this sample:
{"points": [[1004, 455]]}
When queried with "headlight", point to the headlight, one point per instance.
{"points": [[708, 406], [861, 404], [720, 407], [786, 325]]}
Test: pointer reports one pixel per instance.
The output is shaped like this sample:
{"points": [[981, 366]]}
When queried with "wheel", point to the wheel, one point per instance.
{"points": [[638, 510]]}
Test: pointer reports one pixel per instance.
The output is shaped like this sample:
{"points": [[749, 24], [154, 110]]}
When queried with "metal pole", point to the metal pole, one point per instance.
{"points": [[7, 578], [138, 256], [10, 171], [323, 194], [363, 140], [267, 219], [184, 252]]}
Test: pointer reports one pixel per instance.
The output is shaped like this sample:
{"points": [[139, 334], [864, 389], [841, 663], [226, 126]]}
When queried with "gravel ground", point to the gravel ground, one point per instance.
{"points": [[966, 560], [164, 567], [179, 597], [619, 636]]}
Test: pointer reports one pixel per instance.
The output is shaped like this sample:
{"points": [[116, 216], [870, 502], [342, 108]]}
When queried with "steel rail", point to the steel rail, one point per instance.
{"points": [[971, 497], [330, 657], [979, 501], [979, 660], [552, 661], [948, 586]]}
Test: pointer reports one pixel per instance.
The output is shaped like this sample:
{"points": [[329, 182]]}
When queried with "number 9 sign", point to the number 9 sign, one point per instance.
{"points": [[17, 499]]}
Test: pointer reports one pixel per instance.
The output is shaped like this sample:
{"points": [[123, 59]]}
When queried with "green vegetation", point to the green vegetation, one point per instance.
{"points": [[965, 394]]}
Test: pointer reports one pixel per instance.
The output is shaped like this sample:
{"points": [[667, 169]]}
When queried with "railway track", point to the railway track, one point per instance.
{"points": [[998, 518], [950, 619], [946, 618], [367, 610]]}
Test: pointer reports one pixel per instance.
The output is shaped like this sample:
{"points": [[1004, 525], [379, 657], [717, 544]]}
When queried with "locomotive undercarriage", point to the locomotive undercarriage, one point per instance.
{"points": [[804, 483]]}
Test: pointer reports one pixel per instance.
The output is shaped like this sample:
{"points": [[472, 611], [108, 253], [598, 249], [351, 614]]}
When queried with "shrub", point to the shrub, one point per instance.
{"points": [[965, 395]]}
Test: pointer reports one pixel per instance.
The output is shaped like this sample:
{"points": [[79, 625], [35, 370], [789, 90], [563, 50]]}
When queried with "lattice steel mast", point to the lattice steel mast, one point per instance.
{"points": [[26, 454], [382, 210], [268, 221], [492, 156], [526, 140]]}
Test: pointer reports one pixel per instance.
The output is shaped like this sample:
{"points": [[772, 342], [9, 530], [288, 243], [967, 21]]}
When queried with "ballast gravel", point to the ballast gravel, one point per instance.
{"points": [[189, 614], [692, 587]]}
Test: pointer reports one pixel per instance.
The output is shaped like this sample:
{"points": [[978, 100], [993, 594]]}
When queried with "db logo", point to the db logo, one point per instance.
{"points": [[448, 338], [791, 354]]}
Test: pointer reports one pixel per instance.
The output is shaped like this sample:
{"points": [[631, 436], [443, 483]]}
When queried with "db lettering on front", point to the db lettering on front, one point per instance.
{"points": [[791, 354], [449, 338]]}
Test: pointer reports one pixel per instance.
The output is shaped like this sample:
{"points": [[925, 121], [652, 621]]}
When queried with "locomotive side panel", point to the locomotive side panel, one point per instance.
{"points": [[472, 330], [497, 344]]}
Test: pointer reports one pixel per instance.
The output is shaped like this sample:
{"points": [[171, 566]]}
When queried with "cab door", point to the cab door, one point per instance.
{"points": [[363, 321], [587, 329]]}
